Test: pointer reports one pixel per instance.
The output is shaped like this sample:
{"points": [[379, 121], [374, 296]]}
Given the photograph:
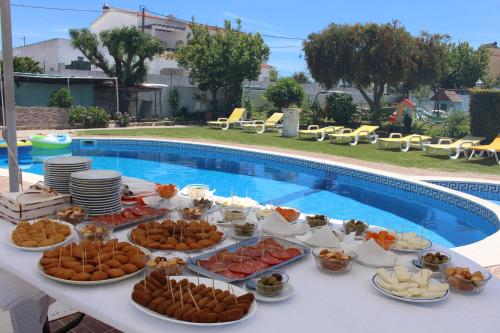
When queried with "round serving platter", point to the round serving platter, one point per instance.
{"points": [[8, 240], [428, 246], [95, 283], [223, 238], [408, 299], [218, 285]]}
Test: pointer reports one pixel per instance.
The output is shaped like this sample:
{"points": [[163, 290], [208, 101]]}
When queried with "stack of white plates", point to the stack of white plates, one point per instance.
{"points": [[57, 171], [99, 191]]}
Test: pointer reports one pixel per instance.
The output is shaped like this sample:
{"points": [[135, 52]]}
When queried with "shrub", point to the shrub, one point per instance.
{"points": [[456, 125], [484, 110], [340, 108], [284, 93], [89, 117], [122, 119], [61, 98], [173, 100]]}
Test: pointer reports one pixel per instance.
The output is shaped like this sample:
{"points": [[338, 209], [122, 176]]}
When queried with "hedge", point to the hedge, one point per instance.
{"points": [[484, 109]]}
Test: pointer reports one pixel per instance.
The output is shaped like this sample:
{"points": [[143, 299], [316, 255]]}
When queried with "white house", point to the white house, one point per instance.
{"points": [[55, 54]]}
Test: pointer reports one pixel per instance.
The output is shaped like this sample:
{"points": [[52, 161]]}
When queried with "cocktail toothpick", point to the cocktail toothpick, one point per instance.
{"points": [[190, 294], [180, 291]]}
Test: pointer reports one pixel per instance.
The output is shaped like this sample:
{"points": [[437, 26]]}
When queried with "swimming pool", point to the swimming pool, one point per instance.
{"points": [[312, 187]]}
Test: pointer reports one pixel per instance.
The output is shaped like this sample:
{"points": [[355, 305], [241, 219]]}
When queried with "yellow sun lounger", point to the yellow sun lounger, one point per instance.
{"points": [[224, 123], [454, 149], [404, 142], [313, 131], [493, 149], [260, 126], [354, 135]]}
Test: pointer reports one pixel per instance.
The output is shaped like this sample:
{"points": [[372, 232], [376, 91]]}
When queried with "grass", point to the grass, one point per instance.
{"points": [[367, 152]]}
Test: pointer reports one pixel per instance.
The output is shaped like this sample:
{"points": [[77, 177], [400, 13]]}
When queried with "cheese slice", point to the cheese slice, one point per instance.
{"points": [[386, 276], [442, 287], [402, 273]]}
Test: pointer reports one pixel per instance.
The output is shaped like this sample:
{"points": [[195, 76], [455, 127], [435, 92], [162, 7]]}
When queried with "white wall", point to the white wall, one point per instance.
{"points": [[50, 53], [110, 20]]}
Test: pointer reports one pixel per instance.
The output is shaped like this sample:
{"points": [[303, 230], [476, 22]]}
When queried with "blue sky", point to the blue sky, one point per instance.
{"points": [[474, 21]]}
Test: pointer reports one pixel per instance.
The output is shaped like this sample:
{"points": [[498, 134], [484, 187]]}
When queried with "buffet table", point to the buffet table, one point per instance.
{"points": [[341, 303]]}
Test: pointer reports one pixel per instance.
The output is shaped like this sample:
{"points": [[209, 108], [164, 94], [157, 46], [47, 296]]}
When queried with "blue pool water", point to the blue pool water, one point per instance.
{"points": [[268, 182]]}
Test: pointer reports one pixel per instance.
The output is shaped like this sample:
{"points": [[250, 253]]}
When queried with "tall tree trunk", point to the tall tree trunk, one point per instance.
{"points": [[213, 102]]}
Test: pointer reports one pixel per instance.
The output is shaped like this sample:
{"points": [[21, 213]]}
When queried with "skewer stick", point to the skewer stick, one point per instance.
{"points": [[180, 291], [198, 276], [60, 254], [145, 286], [171, 290], [213, 290], [190, 294], [83, 259], [232, 291], [99, 260], [113, 251]]}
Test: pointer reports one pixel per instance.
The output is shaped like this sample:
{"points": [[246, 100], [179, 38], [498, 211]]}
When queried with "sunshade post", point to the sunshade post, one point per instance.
{"points": [[10, 108]]}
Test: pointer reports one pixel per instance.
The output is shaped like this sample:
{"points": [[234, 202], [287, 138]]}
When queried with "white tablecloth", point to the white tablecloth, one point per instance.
{"points": [[322, 302]]}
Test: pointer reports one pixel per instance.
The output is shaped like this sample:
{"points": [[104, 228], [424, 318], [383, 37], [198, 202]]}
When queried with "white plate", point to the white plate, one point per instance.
{"points": [[409, 299], [94, 283], [428, 246], [96, 175], [67, 160], [10, 242], [218, 284], [285, 294]]}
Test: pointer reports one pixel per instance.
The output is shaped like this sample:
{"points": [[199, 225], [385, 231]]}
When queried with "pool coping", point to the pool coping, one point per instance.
{"points": [[486, 252]]}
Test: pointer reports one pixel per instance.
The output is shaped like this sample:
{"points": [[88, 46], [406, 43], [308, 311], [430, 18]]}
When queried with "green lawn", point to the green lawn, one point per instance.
{"points": [[368, 152]]}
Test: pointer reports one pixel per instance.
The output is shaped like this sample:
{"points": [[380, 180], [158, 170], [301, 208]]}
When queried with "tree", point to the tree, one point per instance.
{"points": [[373, 56], [25, 65], [128, 47], [421, 93], [284, 93], [464, 66], [300, 77], [223, 60], [61, 98], [273, 75], [340, 108]]}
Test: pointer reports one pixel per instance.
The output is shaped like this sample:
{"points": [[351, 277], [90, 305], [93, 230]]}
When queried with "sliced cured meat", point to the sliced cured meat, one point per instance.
{"points": [[248, 267], [137, 211], [250, 252], [283, 255], [271, 242], [293, 251], [271, 260], [232, 275], [260, 265], [127, 214]]}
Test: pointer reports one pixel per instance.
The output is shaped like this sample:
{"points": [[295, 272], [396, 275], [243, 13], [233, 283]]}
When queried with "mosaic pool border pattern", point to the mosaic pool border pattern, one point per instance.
{"points": [[408, 190], [486, 191]]}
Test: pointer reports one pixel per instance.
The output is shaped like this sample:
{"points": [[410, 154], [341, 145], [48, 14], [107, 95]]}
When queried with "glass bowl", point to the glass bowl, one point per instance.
{"points": [[191, 214], [231, 214], [94, 230], [431, 265], [473, 284], [263, 211], [357, 226], [166, 263], [288, 213], [203, 204], [243, 229], [333, 264], [270, 276], [166, 191], [317, 221]]}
